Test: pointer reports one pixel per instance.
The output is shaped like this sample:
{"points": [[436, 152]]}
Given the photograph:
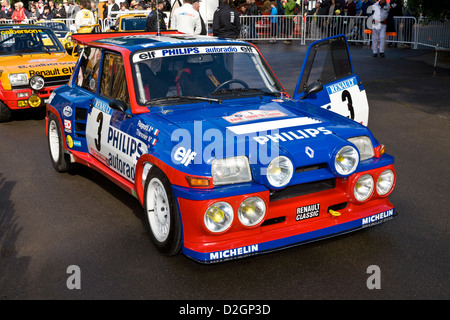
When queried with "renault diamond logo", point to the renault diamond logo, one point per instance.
{"points": [[309, 152]]}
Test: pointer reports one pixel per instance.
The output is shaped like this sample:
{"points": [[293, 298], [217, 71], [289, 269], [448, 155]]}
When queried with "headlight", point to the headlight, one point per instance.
{"points": [[37, 82], [218, 217], [364, 145], [280, 171], [231, 170], [18, 79], [363, 187], [346, 160], [385, 182], [251, 211]]}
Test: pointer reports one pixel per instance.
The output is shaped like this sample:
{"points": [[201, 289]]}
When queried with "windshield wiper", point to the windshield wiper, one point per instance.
{"points": [[156, 100], [242, 91]]}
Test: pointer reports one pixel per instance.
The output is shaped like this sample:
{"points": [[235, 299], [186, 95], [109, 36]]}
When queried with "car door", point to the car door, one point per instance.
{"points": [[109, 131], [327, 80]]}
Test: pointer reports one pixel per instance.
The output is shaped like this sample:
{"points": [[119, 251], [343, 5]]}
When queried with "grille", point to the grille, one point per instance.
{"points": [[302, 189]]}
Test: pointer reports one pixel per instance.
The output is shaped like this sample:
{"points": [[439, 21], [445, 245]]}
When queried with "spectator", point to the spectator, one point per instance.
{"points": [[186, 19], [358, 7], [379, 23], [196, 6], [84, 17], [34, 13], [18, 15], [154, 17], [226, 22], [365, 4], [66, 6], [289, 8], [7, 11], [40, 6], [51, 5], [273, 21], [47, 15], [73, 9], [252, 11], [59, 12], [94, 10], [351, 8], [123, 6], [112, 7]]}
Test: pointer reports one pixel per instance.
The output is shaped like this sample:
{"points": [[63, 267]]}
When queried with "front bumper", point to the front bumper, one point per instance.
{"points": [[20, 98], [282, 226]]}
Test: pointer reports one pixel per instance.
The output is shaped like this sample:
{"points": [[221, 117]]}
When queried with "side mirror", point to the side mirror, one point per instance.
{"points": [[118, 105], [312, 88]]}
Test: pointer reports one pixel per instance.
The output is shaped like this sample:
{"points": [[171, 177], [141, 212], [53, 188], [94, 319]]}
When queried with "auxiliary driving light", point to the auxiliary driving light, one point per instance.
{"points": [[251, 211], [385, 182], [218, 217], [363, 187], [34, 101]]}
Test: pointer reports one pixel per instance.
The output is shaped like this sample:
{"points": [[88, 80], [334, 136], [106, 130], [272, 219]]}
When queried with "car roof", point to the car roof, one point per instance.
{"points": [[134, 41], [22, 26]]}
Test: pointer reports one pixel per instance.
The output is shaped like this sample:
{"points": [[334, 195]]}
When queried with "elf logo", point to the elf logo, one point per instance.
{"points": [[184, 156]]}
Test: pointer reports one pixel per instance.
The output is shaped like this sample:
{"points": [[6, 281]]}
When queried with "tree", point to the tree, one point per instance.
{"points": [[431, 9]]}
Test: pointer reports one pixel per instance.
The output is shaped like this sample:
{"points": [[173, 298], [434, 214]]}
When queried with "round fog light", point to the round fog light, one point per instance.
{"points": [[34, 101], [363, 187], [218, 217], [385, 182], [251, 211], [37, 82]]}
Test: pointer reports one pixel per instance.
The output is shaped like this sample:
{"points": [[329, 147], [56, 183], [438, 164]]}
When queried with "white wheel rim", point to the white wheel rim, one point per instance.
{"points": [[158, 211], [53, 138]]}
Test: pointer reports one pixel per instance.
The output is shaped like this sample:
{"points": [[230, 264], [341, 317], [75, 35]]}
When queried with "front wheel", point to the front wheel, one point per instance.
{"points": [[5, 112], [60, 159], [162, 213]]}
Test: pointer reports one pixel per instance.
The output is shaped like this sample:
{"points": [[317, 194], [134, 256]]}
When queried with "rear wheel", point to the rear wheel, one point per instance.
{"points": [[162, 213], [60, 159], [5, 112]]}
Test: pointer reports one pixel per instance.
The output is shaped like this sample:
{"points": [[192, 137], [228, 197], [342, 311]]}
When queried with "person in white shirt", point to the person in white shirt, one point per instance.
{"points": [[84, 17], [186, 19], [379, 23]]}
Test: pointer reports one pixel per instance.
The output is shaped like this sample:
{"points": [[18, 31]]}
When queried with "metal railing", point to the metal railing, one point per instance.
{"points": [[409, 31]]}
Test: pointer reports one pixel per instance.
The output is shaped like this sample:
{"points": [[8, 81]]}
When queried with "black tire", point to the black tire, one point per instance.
{"points": [[5, 113], [60, 160], [161, 213]]}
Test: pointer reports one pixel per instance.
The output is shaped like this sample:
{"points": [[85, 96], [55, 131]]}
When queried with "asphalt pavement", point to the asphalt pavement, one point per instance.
{"points": [[51, 221]]}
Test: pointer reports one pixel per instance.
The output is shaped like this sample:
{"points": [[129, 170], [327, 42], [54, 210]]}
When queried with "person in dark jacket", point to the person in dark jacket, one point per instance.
{"points": [[196, 6], [226, 21], [7, 11], [152, 19]]}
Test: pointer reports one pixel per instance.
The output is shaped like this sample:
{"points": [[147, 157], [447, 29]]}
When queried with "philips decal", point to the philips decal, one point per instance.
{"points": [[180, 51], [292, 135], [125, 143]]}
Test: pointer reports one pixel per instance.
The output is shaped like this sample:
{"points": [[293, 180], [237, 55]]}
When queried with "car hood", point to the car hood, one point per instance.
{"points": [[261, 129], [47, 65]]}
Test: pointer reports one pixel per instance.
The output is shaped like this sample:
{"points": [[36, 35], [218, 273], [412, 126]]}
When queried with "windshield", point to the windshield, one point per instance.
{"points": [[18, 41], [59, 28], [135, 23], [201, 72]]}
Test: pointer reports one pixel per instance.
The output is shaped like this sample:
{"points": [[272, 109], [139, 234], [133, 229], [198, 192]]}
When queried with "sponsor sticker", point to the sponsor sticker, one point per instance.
{"points": [[308, 212], [250, 115]]}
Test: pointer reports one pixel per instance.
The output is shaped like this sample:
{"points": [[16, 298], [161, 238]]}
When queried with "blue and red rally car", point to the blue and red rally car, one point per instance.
{"points": [[223, 161]]}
